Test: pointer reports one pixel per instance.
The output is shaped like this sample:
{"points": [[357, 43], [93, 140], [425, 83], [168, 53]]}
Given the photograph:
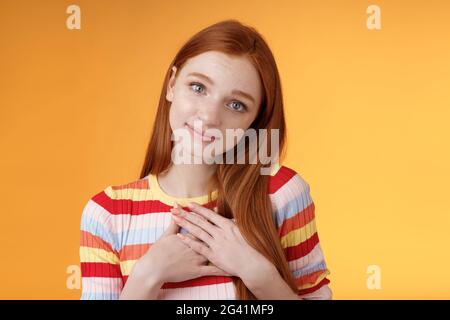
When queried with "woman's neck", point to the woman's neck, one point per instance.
{"points": [[187, 180]]}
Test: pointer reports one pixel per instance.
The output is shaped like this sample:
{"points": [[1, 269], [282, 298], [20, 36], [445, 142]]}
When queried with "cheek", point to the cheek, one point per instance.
{"points": [[234, 123], [181, 110], [241, 122]]}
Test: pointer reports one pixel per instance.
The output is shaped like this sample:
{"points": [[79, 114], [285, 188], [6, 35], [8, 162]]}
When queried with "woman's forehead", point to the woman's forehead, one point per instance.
{"points": [[214, 62], [236, 71]]}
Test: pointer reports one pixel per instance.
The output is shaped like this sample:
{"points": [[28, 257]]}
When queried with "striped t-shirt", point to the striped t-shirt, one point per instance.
{"points": [[120, 223]]}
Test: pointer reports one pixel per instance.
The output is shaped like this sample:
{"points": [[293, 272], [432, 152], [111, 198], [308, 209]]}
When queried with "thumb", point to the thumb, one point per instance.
{"points": [[173, 228]]}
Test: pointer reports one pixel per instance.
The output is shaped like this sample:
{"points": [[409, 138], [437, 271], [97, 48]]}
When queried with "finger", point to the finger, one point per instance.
{"points": [[191, 236], [182, 211], [198, 220], [197, 246], [213, 271], [209, 214], [172, 229], [195, 230], [194, 240]]}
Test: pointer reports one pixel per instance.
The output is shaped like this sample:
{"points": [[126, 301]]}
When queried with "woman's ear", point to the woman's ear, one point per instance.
{"points": [[169, 94]]}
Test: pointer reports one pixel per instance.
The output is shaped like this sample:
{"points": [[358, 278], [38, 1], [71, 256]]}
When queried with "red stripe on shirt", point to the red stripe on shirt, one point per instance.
{"points": [[282, 176], [302, 249], [316, 287], [202, 281], [134, 207], [100, 269]]}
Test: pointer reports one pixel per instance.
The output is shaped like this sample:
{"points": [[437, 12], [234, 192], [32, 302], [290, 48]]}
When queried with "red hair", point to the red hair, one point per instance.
{"points": [[252, 212]]}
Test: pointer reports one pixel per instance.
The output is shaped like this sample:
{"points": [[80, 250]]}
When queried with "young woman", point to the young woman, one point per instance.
{"points": [[244, 234]]}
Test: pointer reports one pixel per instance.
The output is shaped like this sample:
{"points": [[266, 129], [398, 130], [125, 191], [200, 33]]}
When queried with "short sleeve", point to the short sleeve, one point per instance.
{"points": [[99, 260], [295, 216]]}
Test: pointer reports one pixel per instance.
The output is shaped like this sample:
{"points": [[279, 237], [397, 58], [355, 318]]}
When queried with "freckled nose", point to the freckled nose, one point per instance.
{"points": [[210, 115]]}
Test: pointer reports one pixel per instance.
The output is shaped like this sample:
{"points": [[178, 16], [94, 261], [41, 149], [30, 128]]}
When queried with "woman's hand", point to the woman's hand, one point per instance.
{"points": [[221, 241], [169, 260]]}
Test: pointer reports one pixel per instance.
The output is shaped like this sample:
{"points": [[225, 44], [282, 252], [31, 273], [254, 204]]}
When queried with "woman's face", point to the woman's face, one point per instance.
{"points": [[213, 92]]}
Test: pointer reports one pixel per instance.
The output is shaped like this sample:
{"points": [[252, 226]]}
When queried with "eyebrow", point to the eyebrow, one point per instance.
{"points": [[208, 79]]}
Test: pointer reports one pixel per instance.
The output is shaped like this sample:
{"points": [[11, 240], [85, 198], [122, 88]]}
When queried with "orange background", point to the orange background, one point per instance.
{"points": [[367, 114]]}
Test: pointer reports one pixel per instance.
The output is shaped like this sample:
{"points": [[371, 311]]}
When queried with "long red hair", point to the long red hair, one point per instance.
{"points": [[242, 190]]}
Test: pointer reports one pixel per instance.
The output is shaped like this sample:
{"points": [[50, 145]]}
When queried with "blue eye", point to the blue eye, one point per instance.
{"points": [[240, 106], [196, 85], [236, 105]]}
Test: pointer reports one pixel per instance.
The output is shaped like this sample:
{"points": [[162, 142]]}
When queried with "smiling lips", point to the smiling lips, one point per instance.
{"points": [[199, 135]]}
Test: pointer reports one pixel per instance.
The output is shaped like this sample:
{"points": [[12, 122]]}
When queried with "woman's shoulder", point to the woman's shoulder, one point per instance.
{"points": [[290, 197], [128, 190], [119, 192], [284, 179]]}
